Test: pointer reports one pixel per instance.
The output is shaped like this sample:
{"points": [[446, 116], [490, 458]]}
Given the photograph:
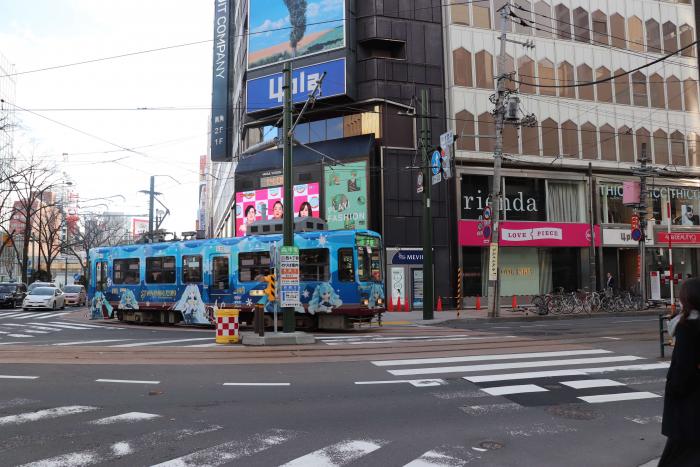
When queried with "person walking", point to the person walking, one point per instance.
{"points": [[610, 282], [681, 419]]}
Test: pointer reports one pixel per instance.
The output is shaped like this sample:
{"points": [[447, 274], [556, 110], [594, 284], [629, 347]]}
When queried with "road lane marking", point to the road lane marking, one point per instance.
{"points": [[591, 383], [479, 410], [17, 377], [174, 341], [612, 338], [509, 366], [338, 454], [476, 358], [232, 450], [419, 383], [14, 343], [424, 340], [625, 396], [436, 458], [377, 337], [82, 325], [126, 381], [257, 384], [556, 373], [128, 417], [60, 326], [100, 341], [517, 389], [45, 414], [209, 345], [19, 335]]}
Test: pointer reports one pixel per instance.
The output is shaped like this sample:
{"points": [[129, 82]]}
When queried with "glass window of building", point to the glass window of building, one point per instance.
{"points": [[617, 26], [608, 143], [674, 93], [459, 14], [565, 201], [693, 159], [589, 141], [526, 13], [526, 75], [484, 70], [687, 38], [546, 75], [550, 138], [563, 16], [317, 131], [622, 87], [569, 139], [524, 199], [465, 131], [613, 211], [600, 28], [543, 13], [670, 37], [482, 15], [334, 128], [603, 90], [690, 93], [585, 75], [626, 142], [639, 89], [487, 128], [678, 149], [636, 34], [565, 70], [656, 91], [462, 63], [653, 36], [581, 27], [643, 137], [531, 140], [661, 147]]}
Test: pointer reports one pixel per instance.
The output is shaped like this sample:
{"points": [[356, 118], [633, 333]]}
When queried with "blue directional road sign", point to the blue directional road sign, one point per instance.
{"points": [[435, 162]]}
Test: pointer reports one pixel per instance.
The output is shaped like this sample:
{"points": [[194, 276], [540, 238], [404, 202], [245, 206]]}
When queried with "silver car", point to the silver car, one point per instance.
{"points": [[50, 298]]}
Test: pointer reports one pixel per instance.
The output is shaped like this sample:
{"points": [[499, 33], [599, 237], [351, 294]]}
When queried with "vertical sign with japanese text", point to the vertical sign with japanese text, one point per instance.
{"points": [[220, 105], [289, 277]]}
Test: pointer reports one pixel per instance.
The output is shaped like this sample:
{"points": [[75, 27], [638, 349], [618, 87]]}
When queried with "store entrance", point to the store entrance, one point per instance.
{"points": [[629, 277]]}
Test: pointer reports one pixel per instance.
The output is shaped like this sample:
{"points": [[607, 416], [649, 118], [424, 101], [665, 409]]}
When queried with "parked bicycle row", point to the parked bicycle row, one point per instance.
{"points": [[581, 301]]}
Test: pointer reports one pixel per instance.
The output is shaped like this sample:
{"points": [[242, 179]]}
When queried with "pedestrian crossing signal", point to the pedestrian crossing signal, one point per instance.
{"points": [[271, 289]]}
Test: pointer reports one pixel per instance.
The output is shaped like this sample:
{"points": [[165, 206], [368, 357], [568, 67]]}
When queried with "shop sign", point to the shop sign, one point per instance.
{"points": [[689, 238], [407, 257], [524, 198], [493, 262], [346, 196], [618, 237], [545, 234], [616, 191]]}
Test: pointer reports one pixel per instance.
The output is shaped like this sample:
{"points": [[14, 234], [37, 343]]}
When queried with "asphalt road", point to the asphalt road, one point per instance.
{"points": [[570, 393]]}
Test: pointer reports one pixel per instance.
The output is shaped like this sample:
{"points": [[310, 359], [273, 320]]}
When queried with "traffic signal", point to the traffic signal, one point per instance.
{"points": [[271, 289]]}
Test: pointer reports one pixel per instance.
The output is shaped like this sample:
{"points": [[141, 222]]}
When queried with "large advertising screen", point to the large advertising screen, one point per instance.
{"points": [[284, 29], [346, 196], [268, 203]]}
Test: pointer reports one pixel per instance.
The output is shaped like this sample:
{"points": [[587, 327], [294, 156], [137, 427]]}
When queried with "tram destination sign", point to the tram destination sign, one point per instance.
{"points": [[289, 277]]}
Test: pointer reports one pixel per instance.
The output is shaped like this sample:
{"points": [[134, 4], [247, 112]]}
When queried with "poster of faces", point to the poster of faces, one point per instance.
{"points": [[268, 203]]}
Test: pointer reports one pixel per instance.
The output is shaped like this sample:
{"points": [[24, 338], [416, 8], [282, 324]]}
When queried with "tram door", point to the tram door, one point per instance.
{"points": [[219, 278]]}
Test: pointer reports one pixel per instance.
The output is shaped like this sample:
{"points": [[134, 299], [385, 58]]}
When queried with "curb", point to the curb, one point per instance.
{"points": [[536, 317]]}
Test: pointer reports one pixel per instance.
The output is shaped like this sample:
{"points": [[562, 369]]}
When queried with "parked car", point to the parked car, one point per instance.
{"points": [[36, 284], [44, 297], [75, 295], [12, 294]]}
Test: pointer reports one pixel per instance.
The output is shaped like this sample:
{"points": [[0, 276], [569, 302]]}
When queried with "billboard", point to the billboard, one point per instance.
{"points": [[267, 93], [267, 203], [346, 196], [220, 105], [285, 29], [138, 227]]}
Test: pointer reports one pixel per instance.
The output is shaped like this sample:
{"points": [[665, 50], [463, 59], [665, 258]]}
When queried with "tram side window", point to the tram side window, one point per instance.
{"points": [[313, 265], [219, 273], [369, 266], [160, 270], [253, 265], [101, 276], [191, 269], [126, 271], [346, 265]]}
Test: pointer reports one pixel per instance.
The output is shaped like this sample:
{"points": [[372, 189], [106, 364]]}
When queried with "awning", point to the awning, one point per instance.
{"points": [[342, 149]]}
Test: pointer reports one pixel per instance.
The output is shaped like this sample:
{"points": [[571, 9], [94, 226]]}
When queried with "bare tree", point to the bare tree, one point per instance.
{"points": [[47, 233]]}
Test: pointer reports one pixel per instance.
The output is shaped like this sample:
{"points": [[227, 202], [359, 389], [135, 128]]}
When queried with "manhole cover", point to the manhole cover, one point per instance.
{"points": [[573, 412], [490, 445]]}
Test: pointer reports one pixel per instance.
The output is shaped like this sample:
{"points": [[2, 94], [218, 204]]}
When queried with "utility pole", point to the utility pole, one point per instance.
{"points": [[643, 174], [425, 137], [151, 196], [288, 324], [591, 223], [505, 111]]}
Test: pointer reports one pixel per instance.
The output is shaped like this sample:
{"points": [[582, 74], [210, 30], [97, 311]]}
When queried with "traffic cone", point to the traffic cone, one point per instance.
{"points": [[391, 303], [478, 303], [405, 306], [398, 303], [514, 304], [439, 304]]}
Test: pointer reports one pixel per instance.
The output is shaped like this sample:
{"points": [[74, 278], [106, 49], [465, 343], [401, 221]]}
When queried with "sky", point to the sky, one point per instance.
{"points": [[93, 97]]}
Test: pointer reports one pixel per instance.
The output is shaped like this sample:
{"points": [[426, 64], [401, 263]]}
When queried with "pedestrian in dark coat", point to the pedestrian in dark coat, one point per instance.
{"points": [[681, 422]]}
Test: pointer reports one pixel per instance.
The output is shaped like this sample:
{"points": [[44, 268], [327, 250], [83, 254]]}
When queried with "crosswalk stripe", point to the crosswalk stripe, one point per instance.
{"points": [[79, 325], [45, 414], [12, 315], [576, 372], [625, 396], [338, 454], [50, 315], [42, 326], [19, 335], [232, 450], [591, 383], [508, 366], [175, 341], [435, 458], [477, 358], [129, 417], [99, 341], [17, 377], [517, 389], [419, 383], [126, 381], [61, 326], [65, 460]]}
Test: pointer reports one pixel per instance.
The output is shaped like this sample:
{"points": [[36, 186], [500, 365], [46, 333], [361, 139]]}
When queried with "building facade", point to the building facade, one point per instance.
{"points": [[549, 198]]}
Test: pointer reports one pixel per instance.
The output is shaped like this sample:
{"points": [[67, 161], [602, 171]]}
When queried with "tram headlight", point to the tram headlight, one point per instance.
{"points": [[380, 301], [365, 302]]}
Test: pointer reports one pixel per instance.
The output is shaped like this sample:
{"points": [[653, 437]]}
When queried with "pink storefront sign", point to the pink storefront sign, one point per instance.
{"points": [[688, 238], [546, 234]]}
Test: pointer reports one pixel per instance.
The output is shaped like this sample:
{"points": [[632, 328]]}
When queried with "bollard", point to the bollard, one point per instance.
{"points": [[226, 326], [259, 320]]}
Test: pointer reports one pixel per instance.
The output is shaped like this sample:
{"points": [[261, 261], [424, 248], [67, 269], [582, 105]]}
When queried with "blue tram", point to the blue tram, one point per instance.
{"points": [[341, 279]]}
